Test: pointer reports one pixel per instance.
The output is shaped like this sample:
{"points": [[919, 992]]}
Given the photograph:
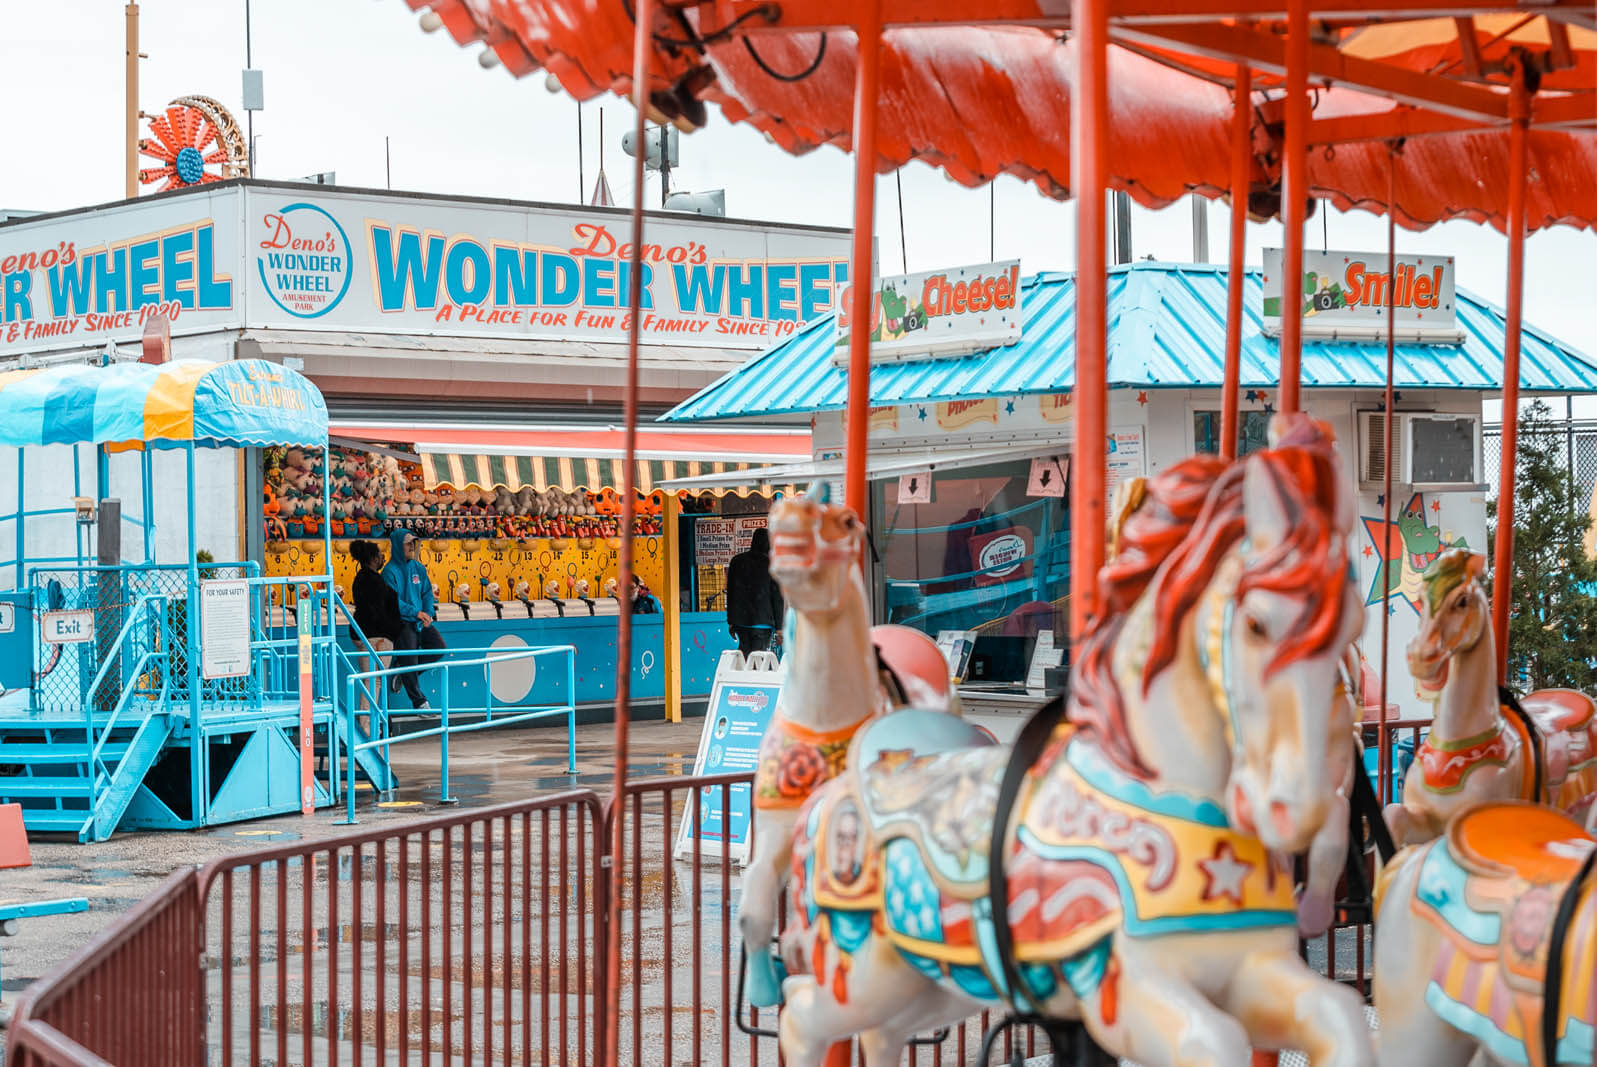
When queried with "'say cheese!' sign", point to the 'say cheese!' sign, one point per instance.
{"points": [[937, 313]]}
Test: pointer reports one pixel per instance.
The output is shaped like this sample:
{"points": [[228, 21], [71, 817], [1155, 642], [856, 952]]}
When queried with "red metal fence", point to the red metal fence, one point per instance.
{"points": [[475, 937]]}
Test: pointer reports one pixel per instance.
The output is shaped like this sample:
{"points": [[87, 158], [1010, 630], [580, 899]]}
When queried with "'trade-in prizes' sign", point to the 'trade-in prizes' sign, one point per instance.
{"points": [[937, 313], [716, 541], [66, 627], [741, 703], [1125, 459], [224, 628], [1344, 294]]}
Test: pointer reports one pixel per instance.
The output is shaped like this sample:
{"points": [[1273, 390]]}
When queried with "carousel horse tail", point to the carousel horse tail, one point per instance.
{"points": [[1533, 735], [1553, 984]]}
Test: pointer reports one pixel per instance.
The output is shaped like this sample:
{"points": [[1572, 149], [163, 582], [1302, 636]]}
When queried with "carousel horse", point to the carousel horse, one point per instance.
{"points": [[1142, 881], [1487, 946], [836, 667], [1475, 752]]}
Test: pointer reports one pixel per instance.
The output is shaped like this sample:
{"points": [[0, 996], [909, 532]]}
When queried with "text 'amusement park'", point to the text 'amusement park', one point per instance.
{"points": [[658, 532]]}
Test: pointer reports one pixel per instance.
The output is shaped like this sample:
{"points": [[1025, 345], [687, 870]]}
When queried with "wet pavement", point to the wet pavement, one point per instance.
{"points": [[486, 768], [500, 950]]}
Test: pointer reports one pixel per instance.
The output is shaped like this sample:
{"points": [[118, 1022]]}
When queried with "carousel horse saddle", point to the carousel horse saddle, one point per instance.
{"points": [[1493, 886]]}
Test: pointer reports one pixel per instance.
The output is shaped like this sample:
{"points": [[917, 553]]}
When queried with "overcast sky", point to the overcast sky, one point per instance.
{"points": [[340, 75]]}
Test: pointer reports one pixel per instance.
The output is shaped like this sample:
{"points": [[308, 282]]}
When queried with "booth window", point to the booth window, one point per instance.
{"points": [[981, 555], [1252, 433]]}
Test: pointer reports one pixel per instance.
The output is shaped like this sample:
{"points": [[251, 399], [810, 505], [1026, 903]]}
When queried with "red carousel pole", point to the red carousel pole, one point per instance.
{"points": [[1089, 126], [1503, 566], [1241, 172], [1294, 198], [1384, 742], [641, 41], [867, 81]]}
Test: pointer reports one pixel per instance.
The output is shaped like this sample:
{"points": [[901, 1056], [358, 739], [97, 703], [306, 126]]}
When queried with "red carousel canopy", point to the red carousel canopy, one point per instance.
{"points": [[990, 99]]}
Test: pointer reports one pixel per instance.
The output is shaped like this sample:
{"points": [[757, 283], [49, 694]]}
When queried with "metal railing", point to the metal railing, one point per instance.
{"points": [[474, 937], [487, 659]]}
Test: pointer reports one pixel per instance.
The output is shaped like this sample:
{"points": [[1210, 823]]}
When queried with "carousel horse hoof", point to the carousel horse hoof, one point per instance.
{"points": [[766, 974]]}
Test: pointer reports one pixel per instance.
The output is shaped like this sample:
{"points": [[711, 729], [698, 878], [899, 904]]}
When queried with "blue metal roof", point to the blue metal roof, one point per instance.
{"points": [[1166, 330]]}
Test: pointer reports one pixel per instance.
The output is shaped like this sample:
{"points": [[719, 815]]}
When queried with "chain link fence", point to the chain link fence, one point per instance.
{"points": [[65, 672], [1579, 438]]}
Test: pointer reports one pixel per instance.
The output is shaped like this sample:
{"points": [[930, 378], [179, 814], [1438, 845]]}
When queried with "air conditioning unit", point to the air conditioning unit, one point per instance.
{"points": [[1437, 451]]}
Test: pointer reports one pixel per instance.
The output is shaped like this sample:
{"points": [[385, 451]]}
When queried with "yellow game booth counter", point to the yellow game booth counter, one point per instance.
{"points": [[520, 533]]}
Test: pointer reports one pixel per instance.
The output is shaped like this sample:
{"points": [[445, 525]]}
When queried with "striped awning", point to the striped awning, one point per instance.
{"points": [[468, 471]]}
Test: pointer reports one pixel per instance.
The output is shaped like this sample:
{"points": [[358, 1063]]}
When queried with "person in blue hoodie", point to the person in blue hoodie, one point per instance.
{"points": [[413, 588]]}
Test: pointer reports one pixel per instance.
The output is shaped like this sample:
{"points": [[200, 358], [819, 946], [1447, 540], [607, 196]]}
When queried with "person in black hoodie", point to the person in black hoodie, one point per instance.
{"points": [[754, 605], [376, 606]]}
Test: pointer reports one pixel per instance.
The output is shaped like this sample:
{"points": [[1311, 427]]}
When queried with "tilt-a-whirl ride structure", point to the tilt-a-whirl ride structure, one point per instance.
{"points": [[1121, 876]]}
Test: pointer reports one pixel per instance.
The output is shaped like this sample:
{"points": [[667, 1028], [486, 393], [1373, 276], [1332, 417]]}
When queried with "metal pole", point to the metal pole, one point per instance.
{"points": [[1200, 229], [388, 163], [1383, 742], [867, 82], [665, 164], [643, 20], [1089, 128], [1241, 176], [903, 245], [132, 102], [1503, 567], [249, 62], [582, 180], [1294, 196], [1569, 450], [200, 789]]}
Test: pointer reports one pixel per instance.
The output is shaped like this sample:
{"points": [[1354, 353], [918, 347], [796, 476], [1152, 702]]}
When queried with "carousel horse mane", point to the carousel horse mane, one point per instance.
{"points": [[1144, 539], [1192, 515]]}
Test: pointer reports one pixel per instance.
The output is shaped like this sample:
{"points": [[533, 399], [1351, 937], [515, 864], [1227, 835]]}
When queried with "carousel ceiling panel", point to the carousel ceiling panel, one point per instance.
{"points": [[1166, 330], [978, 101]]}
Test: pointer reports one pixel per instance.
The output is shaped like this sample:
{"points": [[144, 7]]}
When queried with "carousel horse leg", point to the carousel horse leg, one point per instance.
{"points": [[884, 1046], [1326, 861], [1283, 1004], [881, 992], [1411, 1033], [1156, 1019], [763, 880]]}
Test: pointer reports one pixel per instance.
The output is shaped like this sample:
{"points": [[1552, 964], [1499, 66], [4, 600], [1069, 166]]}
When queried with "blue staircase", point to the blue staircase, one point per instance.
{"points": [[52, 769]]}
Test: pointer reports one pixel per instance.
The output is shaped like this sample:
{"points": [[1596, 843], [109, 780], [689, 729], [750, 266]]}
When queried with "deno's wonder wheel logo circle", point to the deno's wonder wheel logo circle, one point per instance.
{"points": [[303, 260]]}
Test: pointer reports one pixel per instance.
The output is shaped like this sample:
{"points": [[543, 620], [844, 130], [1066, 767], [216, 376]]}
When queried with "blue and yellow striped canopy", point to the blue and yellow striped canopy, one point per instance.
{"points": [[236, 404]]}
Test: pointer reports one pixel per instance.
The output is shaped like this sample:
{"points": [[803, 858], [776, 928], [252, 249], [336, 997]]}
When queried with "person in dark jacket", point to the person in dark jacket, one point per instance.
{"points": [[643, 601], [413, 590], [376, 604], [753, 599]]}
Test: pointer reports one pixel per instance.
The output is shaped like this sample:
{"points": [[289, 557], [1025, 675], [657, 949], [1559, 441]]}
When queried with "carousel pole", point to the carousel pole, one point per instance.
{"points": [[1294, 199], [1241, 171], [641, 42], [1503, 566], [1383, 742], [867, 82], [1089, 123]]}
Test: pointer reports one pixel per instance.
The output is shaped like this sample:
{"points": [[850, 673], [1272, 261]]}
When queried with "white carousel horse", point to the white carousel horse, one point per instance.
{"points": [[833, 683], [1474, 751], [1487, 946], [1146, 888]]}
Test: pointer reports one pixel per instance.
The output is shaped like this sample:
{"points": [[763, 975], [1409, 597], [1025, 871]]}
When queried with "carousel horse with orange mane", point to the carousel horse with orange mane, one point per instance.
{"points": [[1136, 875], [839, 672], [1484, 745]]}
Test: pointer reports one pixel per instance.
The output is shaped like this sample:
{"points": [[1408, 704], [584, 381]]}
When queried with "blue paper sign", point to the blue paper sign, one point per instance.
{"points": [[740, 708]]}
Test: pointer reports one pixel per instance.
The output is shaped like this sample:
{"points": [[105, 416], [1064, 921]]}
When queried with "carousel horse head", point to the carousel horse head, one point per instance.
{"points": [[1454, 617], [815, 549], [1275, 643], [1245, 568]]}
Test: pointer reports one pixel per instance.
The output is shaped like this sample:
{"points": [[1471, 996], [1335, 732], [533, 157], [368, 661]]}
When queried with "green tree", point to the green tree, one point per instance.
{"points": [[1552, 629]]}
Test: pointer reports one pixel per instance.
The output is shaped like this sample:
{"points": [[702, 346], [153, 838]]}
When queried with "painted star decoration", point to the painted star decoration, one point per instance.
{"points": [[921, 414], [1223, 874], [1009, 408], [1142, 398]]}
